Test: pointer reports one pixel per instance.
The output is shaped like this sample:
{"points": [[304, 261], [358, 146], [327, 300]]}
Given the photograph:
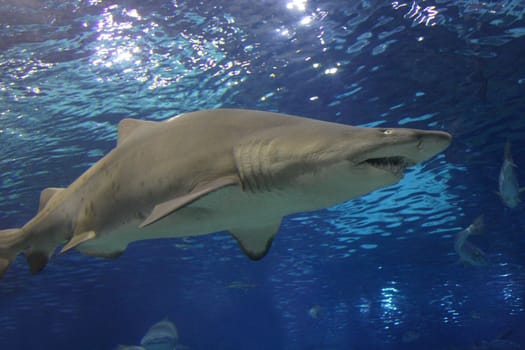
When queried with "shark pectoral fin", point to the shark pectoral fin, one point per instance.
{"points": [[256, 241], [127, 127], [164, 209], [78, 239], [46, 195]]}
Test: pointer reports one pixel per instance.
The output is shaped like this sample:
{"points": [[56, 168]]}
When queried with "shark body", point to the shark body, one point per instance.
{"points": [[230, 170]]}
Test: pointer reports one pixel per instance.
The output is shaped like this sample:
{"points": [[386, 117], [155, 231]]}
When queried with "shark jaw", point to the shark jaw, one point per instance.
{"points": [[395, 165], [408, 147]]}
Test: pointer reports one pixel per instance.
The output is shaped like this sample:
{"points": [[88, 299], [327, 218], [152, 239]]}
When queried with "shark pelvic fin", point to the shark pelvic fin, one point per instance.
{"points": [[46, 195], [127, 127], [78, 239], [164, 209], [37, 260], [256, 241], [37, 255], [13, 241]]}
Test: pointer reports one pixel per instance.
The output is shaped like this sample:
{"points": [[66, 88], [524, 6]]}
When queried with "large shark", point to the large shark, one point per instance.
{"points": [[230, 170]]}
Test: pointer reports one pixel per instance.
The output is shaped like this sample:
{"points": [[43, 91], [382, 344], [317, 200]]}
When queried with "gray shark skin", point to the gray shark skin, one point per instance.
{"points": [[509, 189], [230, 170]]}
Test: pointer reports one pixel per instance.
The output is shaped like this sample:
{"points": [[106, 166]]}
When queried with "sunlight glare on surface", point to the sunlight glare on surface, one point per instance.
{"points": [[299, 5], [116, 46]]}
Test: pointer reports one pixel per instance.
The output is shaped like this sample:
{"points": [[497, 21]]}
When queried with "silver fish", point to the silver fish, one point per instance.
{"points": [[468, 252], [508, 187]]}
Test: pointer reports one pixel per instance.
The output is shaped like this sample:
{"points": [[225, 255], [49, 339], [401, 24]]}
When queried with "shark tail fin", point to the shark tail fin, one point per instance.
{"points": [[10, 246]]}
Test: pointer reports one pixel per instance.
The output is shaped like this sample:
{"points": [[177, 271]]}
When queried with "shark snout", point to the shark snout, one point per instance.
{"points": [[398, 148], [430, 143]]}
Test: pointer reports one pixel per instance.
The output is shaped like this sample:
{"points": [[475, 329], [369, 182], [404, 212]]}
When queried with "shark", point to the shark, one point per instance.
{"points": [[508, 187], [163, 335], [207, 171]]}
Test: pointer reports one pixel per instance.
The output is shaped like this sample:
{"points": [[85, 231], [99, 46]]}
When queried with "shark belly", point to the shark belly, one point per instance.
{"points": [[252, 218], [230, 209]]}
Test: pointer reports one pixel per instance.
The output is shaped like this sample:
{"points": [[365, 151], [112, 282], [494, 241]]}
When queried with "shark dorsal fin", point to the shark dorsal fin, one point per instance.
{"points": [[46, 195], [128, 126], [256, 241]]}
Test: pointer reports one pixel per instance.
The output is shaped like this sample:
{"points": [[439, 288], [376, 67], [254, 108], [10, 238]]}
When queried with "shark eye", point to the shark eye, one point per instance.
{"points": [[387, 131]]}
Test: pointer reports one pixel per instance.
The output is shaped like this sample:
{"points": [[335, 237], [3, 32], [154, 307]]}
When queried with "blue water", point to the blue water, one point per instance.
{"points": [[382, 267]]}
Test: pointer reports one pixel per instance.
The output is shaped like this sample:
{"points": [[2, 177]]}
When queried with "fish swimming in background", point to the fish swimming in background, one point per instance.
{"points": [[509, 190], [468, 252], [162, 335], [230, 170], [316, 312]]}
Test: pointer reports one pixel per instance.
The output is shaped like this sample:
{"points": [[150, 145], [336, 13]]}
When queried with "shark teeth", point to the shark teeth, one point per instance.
{"points": [[395, 165]]}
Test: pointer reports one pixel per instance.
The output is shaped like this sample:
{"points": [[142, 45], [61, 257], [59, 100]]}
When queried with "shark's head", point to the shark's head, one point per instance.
{"points": [[386, 153], [331, 163]]}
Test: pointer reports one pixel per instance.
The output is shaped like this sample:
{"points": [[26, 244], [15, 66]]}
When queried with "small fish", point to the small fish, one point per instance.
{"points": [[509, 189], [468, 252], [241, 285], [316, 312]]}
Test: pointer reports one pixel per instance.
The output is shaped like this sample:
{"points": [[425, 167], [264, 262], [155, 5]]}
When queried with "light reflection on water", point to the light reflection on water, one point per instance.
{"points": [[390, 300]]}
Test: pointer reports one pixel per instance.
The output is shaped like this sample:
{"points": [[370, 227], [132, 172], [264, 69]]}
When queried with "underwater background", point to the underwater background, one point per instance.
{"points": [[377, 272]]}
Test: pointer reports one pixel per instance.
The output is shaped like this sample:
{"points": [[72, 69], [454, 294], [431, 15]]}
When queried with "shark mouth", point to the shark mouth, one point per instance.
{"points": [[395, 165]]}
